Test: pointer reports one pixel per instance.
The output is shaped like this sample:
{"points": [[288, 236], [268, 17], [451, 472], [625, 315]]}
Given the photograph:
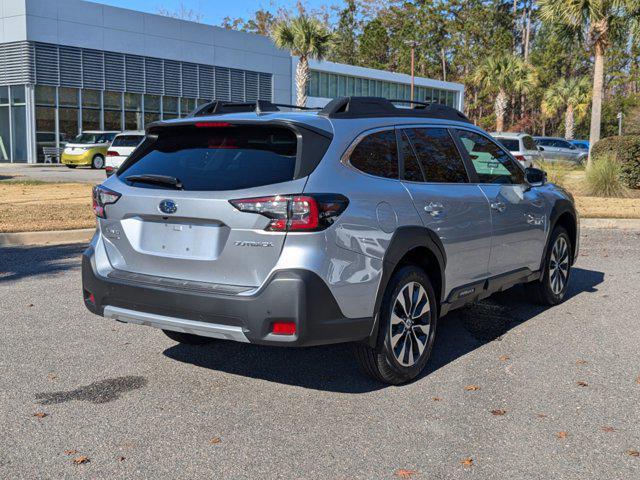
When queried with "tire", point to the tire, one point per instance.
{"points": [[71, 166], [400, 364], [552, 286], [97, 162], [187, 338]]}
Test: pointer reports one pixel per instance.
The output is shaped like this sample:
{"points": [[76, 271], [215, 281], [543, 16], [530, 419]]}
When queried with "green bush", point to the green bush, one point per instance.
{"points": [[626, 150], [604, 177]]}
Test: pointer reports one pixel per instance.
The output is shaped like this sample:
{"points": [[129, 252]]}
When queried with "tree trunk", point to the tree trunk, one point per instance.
{"points": [[596, 99], [500, 110], [569, 123], [302, 79], [444, 65]]}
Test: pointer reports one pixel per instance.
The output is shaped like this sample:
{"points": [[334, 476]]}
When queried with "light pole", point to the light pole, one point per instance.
{"points": [[619, 117], [412, 44]]}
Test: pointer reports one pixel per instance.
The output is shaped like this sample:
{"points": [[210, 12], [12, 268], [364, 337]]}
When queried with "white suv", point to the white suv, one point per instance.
{"points": [[521, 146], [123, 145]]}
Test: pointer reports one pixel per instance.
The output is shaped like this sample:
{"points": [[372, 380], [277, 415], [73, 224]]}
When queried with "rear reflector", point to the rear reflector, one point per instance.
{"points": [[283, 328]]}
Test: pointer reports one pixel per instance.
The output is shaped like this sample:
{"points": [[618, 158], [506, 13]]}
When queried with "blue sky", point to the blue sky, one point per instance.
{"points": [[215, 10]]}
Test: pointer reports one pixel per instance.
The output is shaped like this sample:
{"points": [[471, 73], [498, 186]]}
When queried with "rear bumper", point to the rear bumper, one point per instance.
{"points": [[298, 296]]}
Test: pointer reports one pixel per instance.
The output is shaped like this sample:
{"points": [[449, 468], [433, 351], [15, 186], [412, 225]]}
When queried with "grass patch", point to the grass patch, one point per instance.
{"points": [[23, 182], [29, 207], [557, 172]]}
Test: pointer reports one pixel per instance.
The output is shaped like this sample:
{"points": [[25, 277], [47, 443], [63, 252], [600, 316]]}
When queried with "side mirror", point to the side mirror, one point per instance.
{"points": [[535, 177], [541, 148]]}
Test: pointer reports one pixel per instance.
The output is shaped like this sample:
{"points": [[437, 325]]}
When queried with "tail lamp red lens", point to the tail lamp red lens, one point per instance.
{"points": [[520, 158], [283, 328], [112, 153], [295, 213], [102, 197]]}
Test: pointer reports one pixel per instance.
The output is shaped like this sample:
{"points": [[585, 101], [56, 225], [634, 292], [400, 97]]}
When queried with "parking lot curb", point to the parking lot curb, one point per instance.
{"points": [[611, 223], [56, 237]]}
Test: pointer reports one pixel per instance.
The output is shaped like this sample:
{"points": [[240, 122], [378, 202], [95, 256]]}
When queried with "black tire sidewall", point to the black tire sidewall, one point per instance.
{"points": [[398, 281]]}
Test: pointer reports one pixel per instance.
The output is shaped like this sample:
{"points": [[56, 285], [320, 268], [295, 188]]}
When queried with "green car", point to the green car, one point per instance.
{"points": [[88, 149]]}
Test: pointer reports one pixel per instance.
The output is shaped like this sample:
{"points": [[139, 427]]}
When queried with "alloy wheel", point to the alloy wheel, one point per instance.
{"points": [[559, 265], [410, 324]]}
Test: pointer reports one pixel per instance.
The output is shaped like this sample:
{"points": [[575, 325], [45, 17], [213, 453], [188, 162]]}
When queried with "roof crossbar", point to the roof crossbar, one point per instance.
{"points": [[371, 107], [220, 107]]}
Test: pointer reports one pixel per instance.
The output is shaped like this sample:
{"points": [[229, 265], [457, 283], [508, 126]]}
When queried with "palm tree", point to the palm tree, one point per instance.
{"points": [[306, 38], [593, 20], [570, 95], [503, 76]]}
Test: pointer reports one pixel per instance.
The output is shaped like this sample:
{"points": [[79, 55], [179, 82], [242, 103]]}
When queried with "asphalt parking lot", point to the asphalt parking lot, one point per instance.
{"points": [[40, 172], [555, 392]]}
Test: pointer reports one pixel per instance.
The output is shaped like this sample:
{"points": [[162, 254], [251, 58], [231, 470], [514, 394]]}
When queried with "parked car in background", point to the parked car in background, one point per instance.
{"points": [[521, 146], [560, 150], [580, 144], [121, 147], [88, 149]]}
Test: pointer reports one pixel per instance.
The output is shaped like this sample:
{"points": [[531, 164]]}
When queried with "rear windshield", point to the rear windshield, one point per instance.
{"points": [[218, 158], [127, 141], [511, 144]]}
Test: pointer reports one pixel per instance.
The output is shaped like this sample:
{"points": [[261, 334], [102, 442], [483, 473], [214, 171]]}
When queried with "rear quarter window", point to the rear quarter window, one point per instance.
{"points": [[511, 144], [220, 158], [377, 154]]}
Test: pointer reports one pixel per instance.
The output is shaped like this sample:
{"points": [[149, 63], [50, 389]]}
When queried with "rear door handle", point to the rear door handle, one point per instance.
{"points": [[434, 208], [498, 206]]}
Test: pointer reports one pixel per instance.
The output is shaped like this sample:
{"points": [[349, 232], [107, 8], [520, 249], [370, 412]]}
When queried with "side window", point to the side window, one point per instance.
{"points": [[412, 171], [377, 154], [491, 163], [438, 155], [543, 143], [563, 144]]}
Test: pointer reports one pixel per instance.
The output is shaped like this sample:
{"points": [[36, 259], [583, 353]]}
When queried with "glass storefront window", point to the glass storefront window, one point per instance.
{"points": [[133, 120], [91, 98], [150, 117], [19, 130], [113, 120], [18, 95], [68, 123], [90, 119], [187, 105], [4, 95], [113, 100], [45, 130], [324, 85], [169, 106], [45, 95], [67, 97], [133, 102], [5, 145], [151, 103]]}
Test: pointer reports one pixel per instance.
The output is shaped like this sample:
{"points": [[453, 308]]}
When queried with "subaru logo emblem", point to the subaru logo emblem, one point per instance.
{"points": [[168, 206]]}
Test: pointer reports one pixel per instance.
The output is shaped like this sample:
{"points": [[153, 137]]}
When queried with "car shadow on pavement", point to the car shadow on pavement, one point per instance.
{"points": [[21, 262], [333, 368]]}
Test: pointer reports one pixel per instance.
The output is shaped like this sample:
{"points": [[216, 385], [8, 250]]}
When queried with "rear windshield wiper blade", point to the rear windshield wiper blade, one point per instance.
{"points": [[156, 180]]}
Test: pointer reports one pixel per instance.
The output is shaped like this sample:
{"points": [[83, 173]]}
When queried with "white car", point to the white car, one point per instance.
{"points": [[521, 146], [123, 145]]}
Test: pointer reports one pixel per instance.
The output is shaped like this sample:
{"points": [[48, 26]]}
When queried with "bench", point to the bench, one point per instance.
{"points": [[52, 152]]}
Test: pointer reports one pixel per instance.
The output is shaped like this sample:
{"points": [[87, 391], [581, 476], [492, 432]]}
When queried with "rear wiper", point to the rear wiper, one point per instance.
{"points": [[157, 180]]}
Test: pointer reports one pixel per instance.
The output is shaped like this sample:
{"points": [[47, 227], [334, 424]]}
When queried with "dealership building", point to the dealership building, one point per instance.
{"points": [[68, 66]]}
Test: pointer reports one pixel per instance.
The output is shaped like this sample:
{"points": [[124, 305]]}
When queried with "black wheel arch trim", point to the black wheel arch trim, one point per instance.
{"points": [[402, 242], [561, 207]]}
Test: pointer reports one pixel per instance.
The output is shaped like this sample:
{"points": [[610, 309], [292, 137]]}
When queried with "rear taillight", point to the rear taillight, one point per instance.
{"points": [[102, 197], [112, 153], [295, 213], [520, 158]]}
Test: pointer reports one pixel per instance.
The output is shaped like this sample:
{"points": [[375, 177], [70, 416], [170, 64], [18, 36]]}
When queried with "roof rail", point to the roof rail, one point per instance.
{"points": [[220, 107], [370, 107]]}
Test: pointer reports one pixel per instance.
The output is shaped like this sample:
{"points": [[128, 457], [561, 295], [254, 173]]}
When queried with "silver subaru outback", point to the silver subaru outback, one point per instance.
{"points": [[362, 222]]}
